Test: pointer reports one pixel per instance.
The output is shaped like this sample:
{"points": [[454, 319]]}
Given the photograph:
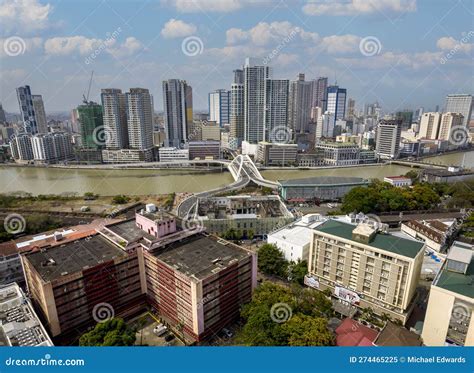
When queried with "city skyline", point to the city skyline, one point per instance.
{"points": [[60, 46]]}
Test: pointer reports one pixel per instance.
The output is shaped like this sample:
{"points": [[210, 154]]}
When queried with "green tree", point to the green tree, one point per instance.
{"points": [[297, 271], [413, 175], [271, 260], [304, 330], [120, 199], [113, 332]]}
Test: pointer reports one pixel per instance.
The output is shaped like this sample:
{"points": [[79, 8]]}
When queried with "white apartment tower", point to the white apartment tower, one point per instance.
{"points": [[460, 103], [255, 77], [299, 104], [387, 139], [237, 107], [219, 106], [429, 126], [140, 119], [114, 106], [448, 122]]}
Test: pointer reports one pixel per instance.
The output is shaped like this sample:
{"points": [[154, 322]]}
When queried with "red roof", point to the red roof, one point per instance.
{"points": [[350, 333]]}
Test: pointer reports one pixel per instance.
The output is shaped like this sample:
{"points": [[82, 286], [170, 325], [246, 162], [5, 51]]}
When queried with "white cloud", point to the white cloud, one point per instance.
{"points": [[355, 7], [286, 59], [451, 44], [217, 6], [340, 44], [176, 28], [128, 48], [24, 15], [395, 60]]}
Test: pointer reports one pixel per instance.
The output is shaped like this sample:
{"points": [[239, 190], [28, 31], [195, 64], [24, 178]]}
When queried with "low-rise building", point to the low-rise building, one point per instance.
{"points": [[173, 154], [450, 175], [449, 315], [276, 154], [398, 181], [324, 188], [434, 232], [127, 155], [201, 150], [19, 323], [248, 215], [365, 266], [338, 153]]}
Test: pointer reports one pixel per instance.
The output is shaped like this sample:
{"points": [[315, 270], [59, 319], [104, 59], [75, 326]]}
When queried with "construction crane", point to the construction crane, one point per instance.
{"points": [[85, 99]]}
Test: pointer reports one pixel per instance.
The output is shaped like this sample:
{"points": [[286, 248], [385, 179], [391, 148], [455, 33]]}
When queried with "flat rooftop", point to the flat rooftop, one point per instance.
{"points": [[388, 242], [129, 231], [201, 256], [324, 180], [458, 283], [73, 257]]}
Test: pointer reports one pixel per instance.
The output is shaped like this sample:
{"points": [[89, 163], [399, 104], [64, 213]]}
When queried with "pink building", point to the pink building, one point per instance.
{"points": [[158, 224]]}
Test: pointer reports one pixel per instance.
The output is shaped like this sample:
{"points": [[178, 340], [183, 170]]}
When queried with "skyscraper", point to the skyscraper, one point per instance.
{"points": [[21, 147], [237, 108], [276, 110], [336, 102], [350, 109], [319, 94], [140, 119], [114, 106], [299, 104], [3, 118], [178, 111], [255, 77], [447, 124], [388, 139], [90, 122], [27, 111], [460, 103], [40, 115], [219, 106], [429, 126]]}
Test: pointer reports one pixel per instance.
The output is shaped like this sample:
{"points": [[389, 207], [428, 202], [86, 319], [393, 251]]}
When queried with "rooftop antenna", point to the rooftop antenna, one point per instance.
{"points": [[85, 98]]}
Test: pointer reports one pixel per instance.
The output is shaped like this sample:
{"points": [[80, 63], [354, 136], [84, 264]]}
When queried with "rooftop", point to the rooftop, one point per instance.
{"points": [[395, 244], [455, 282], [201, 256], [72, 257], [19, 324], [324, 180], [350, 333], [394, 335], [129, 231]]}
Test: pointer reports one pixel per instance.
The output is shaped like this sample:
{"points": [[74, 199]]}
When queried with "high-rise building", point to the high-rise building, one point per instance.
{"points": [[178, 111], [460, 103], [255, 78], [299, 104], [140, 119], [276, 110], [40, 115], [325, 126], [114, 106], [350, 109], [365, 265], [319, 94], [27, 111], [429, 126], [237, 108], [21, 147], [448, 122], [51, 147], [219, 106], [406, 117], [3, 118], [90, 124], [449, 316], [387, 138], [336, 102]]}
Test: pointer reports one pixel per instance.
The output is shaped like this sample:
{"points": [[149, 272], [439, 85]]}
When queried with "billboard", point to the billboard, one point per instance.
{"points": [[311, 281], [347, 295]]}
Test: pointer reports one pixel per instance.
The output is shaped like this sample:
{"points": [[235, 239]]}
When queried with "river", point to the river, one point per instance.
{"points": [[141, 182]]}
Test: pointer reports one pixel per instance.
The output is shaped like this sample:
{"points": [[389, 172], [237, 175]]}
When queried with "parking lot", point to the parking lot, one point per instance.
{"points": [[147, 337]]}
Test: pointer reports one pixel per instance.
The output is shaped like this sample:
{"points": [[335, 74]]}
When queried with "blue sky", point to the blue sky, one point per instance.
{"points": [[403, 53]]}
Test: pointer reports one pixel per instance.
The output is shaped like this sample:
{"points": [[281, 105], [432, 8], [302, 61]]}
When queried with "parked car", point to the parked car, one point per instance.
{"points": [[160, 330], [227, 333], [169, 337]]}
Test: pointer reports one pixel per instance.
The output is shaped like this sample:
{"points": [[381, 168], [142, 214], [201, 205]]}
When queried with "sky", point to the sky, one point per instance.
{"points": [[402, 53]]}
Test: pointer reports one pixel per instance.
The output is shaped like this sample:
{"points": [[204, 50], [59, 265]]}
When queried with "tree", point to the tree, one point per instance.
{"points": [[297, 271], [120, 199], [271, 260], [413, 175], [113, 332], [304, 330]]}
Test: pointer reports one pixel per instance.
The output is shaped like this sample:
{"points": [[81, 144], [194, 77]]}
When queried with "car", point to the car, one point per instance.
{"points": [[227, 333], [160, 330], [169, 337]]}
